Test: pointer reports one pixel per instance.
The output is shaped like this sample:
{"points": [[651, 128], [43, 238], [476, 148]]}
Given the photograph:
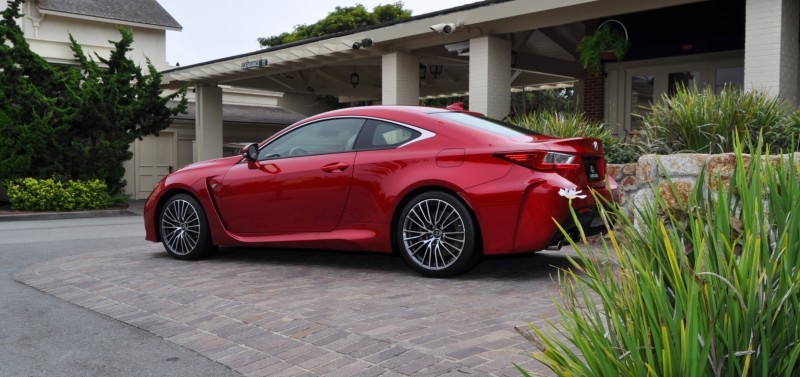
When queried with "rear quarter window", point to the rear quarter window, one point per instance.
{"points": [[383, 135]]}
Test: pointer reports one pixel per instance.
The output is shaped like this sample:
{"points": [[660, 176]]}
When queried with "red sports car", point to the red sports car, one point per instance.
{"points": [[442, 188]]}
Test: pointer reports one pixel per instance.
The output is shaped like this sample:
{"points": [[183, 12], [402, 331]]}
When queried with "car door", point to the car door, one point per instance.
{"points": [[300, 183]]}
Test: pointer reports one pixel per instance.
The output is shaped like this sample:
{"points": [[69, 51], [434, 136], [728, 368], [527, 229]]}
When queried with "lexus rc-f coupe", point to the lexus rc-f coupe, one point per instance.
{"points": [[442, 188]]}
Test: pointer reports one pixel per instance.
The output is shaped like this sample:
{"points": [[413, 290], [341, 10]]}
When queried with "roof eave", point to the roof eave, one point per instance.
{"points": [[108, 20]]}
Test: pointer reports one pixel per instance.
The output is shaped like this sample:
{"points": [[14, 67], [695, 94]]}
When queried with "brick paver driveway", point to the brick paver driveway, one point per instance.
{"points": [[316, 313]]}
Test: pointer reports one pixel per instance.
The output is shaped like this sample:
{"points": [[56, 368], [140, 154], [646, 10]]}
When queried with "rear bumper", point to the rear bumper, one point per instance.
{"points": [[522, 213], [545, 213]]}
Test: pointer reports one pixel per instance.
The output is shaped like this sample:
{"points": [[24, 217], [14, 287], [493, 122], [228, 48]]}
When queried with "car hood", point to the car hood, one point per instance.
{"points": [[209, 164]]}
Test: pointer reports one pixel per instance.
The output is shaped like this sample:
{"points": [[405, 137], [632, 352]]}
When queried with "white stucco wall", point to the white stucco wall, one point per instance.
{"points": [[48, 36]]}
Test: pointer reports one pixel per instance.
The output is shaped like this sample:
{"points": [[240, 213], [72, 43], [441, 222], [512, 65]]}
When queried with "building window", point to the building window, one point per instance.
{"points": [[729, 76], [688, 79], [642, 89], [633, 87]]}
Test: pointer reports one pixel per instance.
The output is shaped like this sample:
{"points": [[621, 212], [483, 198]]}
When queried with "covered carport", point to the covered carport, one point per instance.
{"points": [[491, 47]]}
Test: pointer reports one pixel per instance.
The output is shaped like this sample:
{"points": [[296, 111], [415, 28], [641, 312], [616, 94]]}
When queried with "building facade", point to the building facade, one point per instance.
{"points": [[249, 115], [484, 49], [487, 49]]}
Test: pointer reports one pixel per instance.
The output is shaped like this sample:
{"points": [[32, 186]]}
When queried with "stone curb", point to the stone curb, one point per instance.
{"points": [[32, 216]]}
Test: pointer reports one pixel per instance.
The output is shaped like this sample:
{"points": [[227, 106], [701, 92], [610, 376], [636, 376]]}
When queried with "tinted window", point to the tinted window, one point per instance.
{"points": [[381, 135], [326, 136], [486, 124]]}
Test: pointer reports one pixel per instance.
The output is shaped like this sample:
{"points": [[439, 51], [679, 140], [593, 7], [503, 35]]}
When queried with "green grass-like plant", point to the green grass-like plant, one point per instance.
{"points": [[710, 290], [572, 124], [695, 120]]}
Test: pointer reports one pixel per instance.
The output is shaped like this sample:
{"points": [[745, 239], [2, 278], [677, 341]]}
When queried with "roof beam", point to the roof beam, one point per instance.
{"points": [[541, 64], [563, 43]]}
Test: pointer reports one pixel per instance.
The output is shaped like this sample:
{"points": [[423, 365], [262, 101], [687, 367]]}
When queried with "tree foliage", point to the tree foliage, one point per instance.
{"points": [[75, 122], [32, 113], [342, 19]]}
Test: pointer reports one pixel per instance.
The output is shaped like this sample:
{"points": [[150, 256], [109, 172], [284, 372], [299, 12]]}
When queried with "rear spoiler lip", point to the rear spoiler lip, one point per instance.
{"points": [[576, 145]]}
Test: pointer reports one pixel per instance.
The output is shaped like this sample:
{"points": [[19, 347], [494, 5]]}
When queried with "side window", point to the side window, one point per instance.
{"points": [[383, 135], [323, 137]]}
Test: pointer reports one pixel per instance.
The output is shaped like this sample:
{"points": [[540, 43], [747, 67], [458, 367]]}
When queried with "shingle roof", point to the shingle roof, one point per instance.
{"points": [[246, 114], [147, 12]]}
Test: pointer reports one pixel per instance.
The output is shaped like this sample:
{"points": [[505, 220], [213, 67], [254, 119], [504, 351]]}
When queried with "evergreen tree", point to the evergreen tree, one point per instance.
{"points": [[74, 122], [116, 105], [32, 111]]}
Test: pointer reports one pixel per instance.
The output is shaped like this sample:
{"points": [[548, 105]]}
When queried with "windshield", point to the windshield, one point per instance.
{"points": [[487, 124]]}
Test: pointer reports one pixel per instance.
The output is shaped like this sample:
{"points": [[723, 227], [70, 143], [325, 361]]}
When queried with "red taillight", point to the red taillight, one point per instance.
{"points": [[540, 160]]}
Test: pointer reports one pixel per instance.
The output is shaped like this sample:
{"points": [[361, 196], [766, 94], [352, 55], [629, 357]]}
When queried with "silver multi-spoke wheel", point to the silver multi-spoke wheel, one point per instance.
{"points": [[183, 227], [180, 226], [433, 234], [436, 235]]}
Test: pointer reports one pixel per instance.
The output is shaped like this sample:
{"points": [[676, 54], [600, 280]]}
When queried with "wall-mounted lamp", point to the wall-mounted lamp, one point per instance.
{"points": [[354, 78], [366, 42], [423, 71], [436, 70]]}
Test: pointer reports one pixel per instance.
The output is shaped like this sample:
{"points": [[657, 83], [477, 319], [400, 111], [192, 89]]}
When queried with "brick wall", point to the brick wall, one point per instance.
{"points": [[593, 96], [400, 82], [771, 47], [490, 76]]}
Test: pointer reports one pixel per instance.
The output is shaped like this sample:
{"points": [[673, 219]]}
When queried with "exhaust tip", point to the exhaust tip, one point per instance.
{"points": [[556, 246]]}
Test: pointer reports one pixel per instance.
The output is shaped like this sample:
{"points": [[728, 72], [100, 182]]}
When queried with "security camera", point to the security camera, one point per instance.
{"points": [[366, 42], [444, 28]]}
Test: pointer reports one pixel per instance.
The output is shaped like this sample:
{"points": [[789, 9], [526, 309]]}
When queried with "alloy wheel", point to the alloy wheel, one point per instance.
{"points": [[180, 227], [433, 234]]}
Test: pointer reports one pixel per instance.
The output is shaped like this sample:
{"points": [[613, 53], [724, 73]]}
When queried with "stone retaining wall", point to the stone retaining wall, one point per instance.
{"points": [[635, 180]]}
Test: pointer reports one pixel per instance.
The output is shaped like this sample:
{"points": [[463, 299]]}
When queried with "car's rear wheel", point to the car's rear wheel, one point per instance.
{"points": [[184, 228], [435, 235]]}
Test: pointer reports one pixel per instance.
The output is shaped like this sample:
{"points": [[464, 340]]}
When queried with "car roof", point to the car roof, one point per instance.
{"points": [[389, 109]]}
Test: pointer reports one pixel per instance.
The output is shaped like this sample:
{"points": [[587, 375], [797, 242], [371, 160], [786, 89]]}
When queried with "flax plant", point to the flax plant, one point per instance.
{"points": [[711, 290], [703, 121], [573, 124]]}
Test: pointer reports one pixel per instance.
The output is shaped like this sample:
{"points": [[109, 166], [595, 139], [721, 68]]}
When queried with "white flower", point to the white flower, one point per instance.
{"points": [[571, 193]]}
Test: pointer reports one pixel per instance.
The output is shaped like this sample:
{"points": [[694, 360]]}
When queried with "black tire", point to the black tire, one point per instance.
{"points": [[183, 227], [436, 235]]}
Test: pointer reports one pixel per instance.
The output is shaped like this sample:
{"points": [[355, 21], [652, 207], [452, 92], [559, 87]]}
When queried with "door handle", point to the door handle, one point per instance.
{"points": [[335, 167]]}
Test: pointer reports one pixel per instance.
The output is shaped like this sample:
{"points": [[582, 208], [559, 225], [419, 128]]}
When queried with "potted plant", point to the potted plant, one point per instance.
{"points": [[607, 43]]}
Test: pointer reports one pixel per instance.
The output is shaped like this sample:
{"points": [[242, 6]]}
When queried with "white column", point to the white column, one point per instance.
{"points": [[490, 76], [400, 79], [771, 47], [208, 122]]}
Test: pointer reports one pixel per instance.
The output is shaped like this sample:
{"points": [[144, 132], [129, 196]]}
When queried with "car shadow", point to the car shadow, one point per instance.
{"points": [[521, 267]]}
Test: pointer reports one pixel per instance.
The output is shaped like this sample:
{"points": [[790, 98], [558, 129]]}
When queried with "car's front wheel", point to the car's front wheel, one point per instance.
{"points": [[435, 235], [184, 228]]}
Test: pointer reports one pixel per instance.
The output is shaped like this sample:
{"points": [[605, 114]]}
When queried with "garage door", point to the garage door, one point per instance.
{"points": [[154, 158]]}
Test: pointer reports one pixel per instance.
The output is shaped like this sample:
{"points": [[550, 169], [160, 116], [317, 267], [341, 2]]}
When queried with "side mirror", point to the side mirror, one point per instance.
{"points": [[250, 152]]}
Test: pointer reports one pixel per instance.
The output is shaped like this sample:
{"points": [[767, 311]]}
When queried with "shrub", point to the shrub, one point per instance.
{"points": [[710, 291], [694, 120], [567, 125], [30, 194]]}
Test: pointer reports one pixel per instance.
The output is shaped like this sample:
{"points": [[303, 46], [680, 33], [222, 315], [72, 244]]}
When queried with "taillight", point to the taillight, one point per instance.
{"points": [[541, 160]]}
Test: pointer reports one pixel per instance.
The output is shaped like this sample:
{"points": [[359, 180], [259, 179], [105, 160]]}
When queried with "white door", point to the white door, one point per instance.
{"points": [[155, 158]]}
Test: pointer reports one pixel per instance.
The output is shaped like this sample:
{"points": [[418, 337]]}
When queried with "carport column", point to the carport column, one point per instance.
{"points": [[400, 79], [771, 47], [208, 122], [490, 76]]}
